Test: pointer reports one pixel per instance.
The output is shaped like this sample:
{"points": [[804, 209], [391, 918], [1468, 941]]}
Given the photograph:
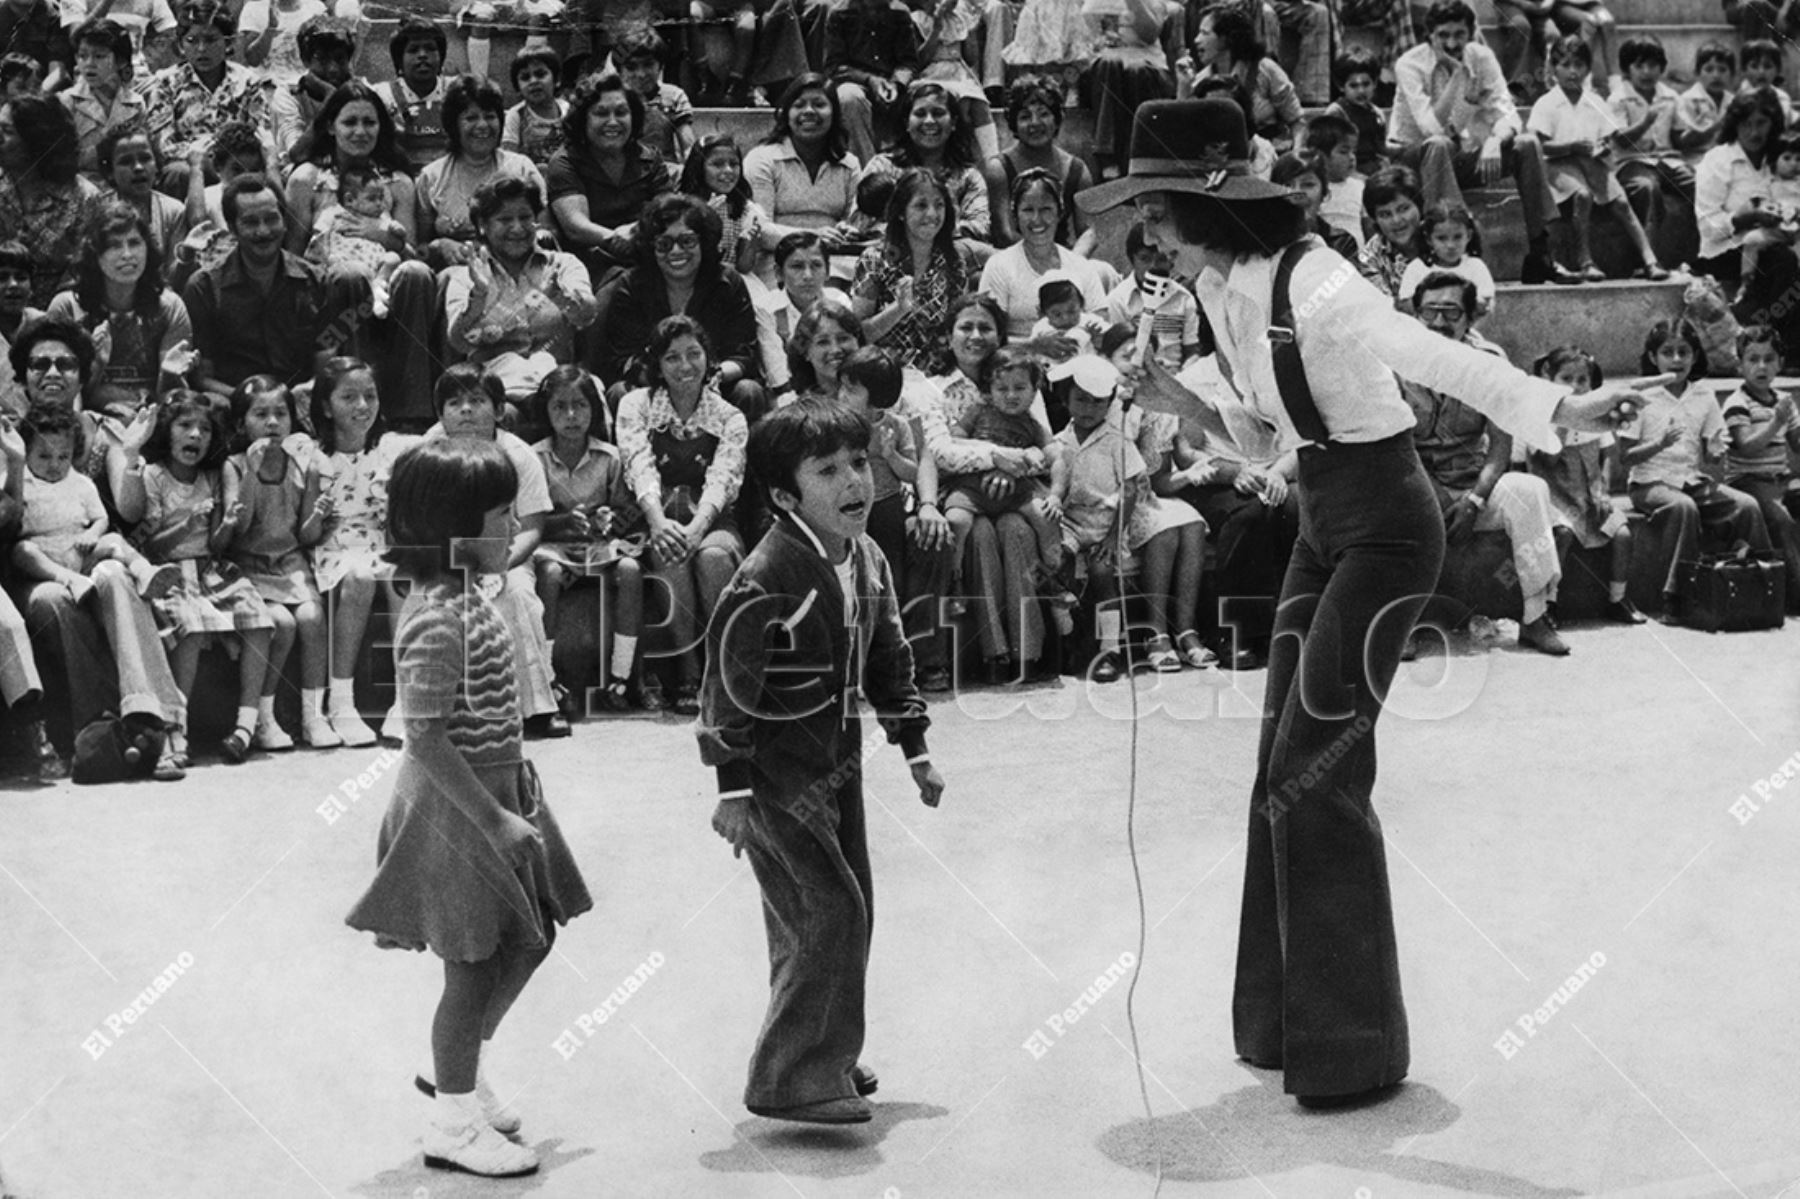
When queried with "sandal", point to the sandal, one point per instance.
{"points": [[1194, 652], [169, 769], [1162, 656]]}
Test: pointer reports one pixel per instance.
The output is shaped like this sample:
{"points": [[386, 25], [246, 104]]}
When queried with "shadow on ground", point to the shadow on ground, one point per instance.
{"points": [[1258, 1131], [414, 1179], [815, 1151]]}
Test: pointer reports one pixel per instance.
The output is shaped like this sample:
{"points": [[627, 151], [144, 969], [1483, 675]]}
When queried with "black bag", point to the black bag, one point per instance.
{"points": [[1729, 593], [113, 749]]}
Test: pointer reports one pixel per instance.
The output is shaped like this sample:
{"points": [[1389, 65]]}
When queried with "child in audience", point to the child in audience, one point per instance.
{"points": [[1759, 66], [714, 173], [595, 528], [347, 528], [1580, 495], [20, 75], [1650, 168], [470, 862], [1358, 75], [272, 492], [340, 239], [237, 149], [15, 304], [804, 277], [127, 162], [1060, 312], [1449, 230], [534, 126], [1700, 113], [1764, 426], [668, 116], [1176, 323], [1677, 435], [1577, 130], [178, 504], [1784, 197], [1305, 173], [1335, 140], [870, 382]]}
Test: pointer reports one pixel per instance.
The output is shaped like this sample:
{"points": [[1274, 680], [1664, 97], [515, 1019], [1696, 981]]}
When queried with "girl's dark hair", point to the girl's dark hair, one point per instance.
{"points": [[1237, 227], [497, 193], [1057, 291], [809, 428], [1035, 177], [439, 493], [535, 56], [415, 29], [1759, 51], [1661, 333], [959, 147], [879, 372], [1760, 335], [570, 377], [463, 93], [905, 188], [467, 377], [800, 239], [693, 173], [47, 132], [587, 93], [1033, 89], [108, 144], [1550, 365], [1746, 104], [387, 152], [245, 394], [330, 375], [15, 257], [179, 403], [1437, 214], [1232, 27], [672, 209], [1352, 62], [115, 218], [667, 332], [1114, 336], [837, 142], [1570, 49], [1714, 52], [48, 419], [52, 328], [109, 35], [799, 345]]}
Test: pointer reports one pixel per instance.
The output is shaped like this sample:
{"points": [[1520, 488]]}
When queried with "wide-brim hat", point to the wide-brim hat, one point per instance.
{"points": [[1196, 146]]}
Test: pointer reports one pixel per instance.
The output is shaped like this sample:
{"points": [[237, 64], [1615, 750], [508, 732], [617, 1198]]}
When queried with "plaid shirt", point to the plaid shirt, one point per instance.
{"points": [[183, 110]]}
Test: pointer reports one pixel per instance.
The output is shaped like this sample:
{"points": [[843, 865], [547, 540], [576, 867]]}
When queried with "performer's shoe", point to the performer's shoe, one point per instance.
{"points": [[1354, 1099], [864, 1080], [851, 1109], [1541, 636]]}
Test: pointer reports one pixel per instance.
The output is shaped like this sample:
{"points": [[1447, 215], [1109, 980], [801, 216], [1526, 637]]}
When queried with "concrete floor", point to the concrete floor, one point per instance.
{"points": [[1539, 812]]}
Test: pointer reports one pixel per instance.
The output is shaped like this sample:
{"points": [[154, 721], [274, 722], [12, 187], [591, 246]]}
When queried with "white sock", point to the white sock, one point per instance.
{"points": [[1615, 591], [343, 695], [453, 1112], [265, 710], [246, 721], [624, 653], [312, 701], [1107, 626]]}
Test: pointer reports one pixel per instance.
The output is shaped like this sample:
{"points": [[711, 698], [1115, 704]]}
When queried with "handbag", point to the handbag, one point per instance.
{"points": [[1728, 593]]}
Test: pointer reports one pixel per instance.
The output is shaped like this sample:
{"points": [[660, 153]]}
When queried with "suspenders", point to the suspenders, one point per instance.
{"points": [[1290, 373]]}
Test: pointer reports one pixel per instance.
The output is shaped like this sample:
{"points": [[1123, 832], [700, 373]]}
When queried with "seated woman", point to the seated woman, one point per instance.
{"points": [[935, 138], [801, 272], [803, 176], [604, 175], [1012, 275], [513, 307], [474, 115], [678, 272], [684, 456], [1034, 112], [903, 286]]}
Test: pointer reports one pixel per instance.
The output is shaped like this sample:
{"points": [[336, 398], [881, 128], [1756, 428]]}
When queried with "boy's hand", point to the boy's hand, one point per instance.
{"points": [[1784, 411], [323, 507], [731, 820], [931, 784], [1670, 435]]}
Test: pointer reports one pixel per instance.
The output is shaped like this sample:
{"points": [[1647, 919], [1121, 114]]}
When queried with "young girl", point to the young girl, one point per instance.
{"points": [[1678, 432], [1450, 245], [684, 454], [471, 864], [345, 526], [1784, 197], [272, 493], [590, 532], [177, 502], [715, 173], [1579, 494], [1764, 428], [127, 162]]}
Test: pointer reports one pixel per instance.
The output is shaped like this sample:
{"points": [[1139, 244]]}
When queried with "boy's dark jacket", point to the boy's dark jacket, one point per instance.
{"points": [[777, 708]]}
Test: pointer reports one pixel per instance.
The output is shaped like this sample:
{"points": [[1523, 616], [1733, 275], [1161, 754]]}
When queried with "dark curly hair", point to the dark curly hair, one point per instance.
{"points": [[667, 211], [52, 328], [47, 132], [667, 331], [1033, 89], [463, 93], [959, 147], [48, 418], [180, 403], [581, 102]]}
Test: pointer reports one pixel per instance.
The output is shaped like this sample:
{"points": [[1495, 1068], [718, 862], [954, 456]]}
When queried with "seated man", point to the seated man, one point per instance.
{"points": [[1466, 458], [1455, 123], [872, 52], [415, 97], [326, 47], [188, 102]]}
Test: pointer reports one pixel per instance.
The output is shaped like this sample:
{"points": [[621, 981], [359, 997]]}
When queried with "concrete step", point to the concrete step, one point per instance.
{"points": [[1665, 12], [1608, 320]]}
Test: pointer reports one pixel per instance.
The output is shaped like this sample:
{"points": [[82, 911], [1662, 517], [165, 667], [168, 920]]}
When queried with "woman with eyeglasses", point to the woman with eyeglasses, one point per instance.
{"points": [[679, 273]]}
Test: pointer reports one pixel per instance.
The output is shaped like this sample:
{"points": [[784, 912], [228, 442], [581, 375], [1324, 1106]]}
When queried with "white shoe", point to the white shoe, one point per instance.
{"points": [[318, 732], [476, 1148], [392, 727], [271, 736], [349, 726], [500, 1117]]}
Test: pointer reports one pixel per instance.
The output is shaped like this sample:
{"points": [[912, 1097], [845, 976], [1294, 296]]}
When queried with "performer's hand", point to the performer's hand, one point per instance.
{"points": [[931, 784], [731, 820], [1605, 409]]}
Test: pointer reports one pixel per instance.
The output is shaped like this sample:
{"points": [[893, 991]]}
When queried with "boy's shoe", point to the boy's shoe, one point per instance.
{"points": [[317, 732], [348, 725], [864, 1080], [236, 746], [1623, 611], [271, 736], [154, 582], [476, 1148], [852, 1109], [652, 696], [615, 696]]}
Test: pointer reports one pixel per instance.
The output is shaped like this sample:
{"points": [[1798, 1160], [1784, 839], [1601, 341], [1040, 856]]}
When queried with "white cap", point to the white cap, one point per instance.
{"points": [[1092, 373]]}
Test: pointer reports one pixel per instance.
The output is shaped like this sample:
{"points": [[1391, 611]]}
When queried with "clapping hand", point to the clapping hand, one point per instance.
{"points": [[481, 273], [180, 358], [12, 443], [137, 434]]}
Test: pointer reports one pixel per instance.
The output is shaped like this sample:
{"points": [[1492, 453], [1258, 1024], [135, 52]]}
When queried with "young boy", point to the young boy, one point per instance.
{"points": [[1759, 66], [1176, 324], [1577, 130], [1335, 140], [1764, 426], [668, 116], [187, 103], [415, 97], [237, 150], [1358, 75], [1700, 112], [1652, 171], [534, 125], [808, 619]]}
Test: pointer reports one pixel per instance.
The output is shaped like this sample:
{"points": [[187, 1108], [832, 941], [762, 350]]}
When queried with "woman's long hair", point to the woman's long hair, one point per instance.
{"points": [[909, 185], [114, 219], [959, 147], [387, 153], [837, 142]]}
